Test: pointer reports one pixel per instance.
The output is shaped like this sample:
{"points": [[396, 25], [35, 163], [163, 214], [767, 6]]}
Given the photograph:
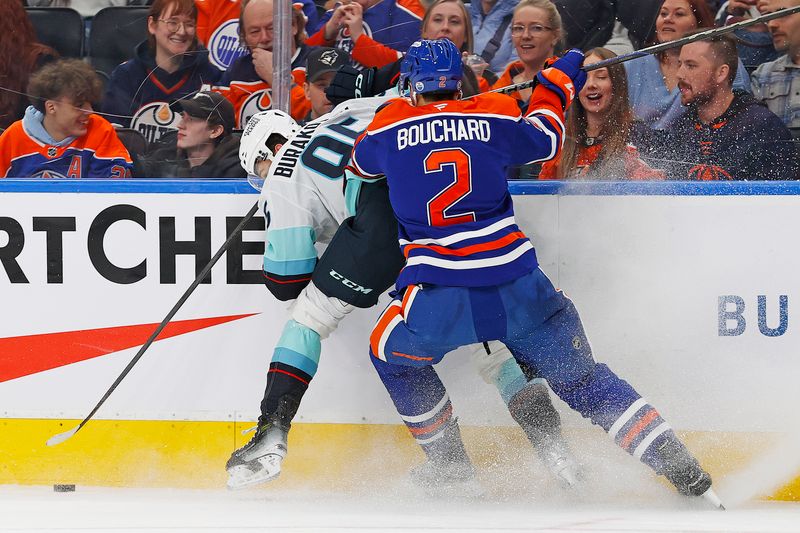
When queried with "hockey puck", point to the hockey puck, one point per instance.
{"points": [[63, 488]]}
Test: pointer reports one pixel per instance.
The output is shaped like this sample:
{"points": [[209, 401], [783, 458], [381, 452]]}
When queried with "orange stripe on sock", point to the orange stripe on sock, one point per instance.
{"points": [[636, 429], [444, 417]]}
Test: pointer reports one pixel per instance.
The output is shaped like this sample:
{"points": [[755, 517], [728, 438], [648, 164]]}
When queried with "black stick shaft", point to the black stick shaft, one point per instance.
{"points": [[655, 49], [169, 316]]}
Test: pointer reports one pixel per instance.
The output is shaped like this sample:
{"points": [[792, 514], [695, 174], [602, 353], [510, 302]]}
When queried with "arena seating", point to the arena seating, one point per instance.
{"points": [[58, 27], [115, 33]]}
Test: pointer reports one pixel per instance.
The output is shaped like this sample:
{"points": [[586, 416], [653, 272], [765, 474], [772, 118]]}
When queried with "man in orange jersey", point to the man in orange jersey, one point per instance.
{"points": [[60, 136], [248, 81]]}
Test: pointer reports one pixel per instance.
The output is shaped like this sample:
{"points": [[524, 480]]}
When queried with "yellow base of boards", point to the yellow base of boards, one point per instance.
{"points": [[186, 454]]}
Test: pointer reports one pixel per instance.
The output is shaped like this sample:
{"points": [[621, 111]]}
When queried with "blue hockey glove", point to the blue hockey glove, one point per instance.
{"points": [[565, 77]]}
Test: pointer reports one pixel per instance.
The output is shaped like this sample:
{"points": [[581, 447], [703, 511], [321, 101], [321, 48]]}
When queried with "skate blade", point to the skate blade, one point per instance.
{"points": [[713, 499], [243, 476]]}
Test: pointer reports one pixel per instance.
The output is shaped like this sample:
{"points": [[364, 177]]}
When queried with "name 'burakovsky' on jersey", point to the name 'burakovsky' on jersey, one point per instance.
{"points": [[308, 171], [444, 130]]}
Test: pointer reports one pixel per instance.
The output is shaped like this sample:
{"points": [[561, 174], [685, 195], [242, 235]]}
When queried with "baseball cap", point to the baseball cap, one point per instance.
{"points": [[321, 60], [208, 105]]}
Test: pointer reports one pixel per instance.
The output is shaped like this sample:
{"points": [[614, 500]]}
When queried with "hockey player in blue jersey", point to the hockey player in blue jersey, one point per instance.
{"points": [[471, 275], [304, 203]]}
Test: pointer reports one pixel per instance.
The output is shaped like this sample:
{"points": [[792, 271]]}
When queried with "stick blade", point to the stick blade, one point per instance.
{"points": [[61, 437]]}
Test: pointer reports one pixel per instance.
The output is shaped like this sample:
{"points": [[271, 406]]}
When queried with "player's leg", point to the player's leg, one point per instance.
{"points": [[424, 406], [411, 335], [294, 364], [559, 350], [528, 401]]}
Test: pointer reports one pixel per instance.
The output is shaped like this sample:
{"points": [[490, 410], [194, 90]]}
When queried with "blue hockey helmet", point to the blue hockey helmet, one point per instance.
{"points": [[431, 66]]}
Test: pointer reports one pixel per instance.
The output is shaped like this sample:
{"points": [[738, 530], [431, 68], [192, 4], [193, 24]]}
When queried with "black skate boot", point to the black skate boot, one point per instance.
{"points": [[260, 460], [685, 473], [533, 410], [448, 469]]}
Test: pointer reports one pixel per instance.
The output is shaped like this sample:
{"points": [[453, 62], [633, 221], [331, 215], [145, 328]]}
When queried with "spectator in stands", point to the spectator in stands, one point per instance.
{"points": [[218, 28], [445, 19], [754, 42], [598, 130], [204, 146], [87, 8], [20, 55], [536, 31], [652, 80], [492, 18], [321, 67], [374, 32], [248, 81], [168, 66], [60, 136], [724, 134], [777, 83]]}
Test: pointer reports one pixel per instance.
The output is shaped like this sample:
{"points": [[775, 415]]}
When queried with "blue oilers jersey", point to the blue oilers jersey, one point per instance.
{"points": [[446, 164]]}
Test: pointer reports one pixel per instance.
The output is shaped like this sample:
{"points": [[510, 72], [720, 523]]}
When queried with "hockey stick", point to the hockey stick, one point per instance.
{"points": [[61, 437], [664, 46]]}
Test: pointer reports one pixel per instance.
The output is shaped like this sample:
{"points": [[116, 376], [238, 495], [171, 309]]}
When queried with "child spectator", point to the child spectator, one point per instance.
{"points": [[777, 83], [598, 130], [652, 80], [492, 18], [168, 66], [536, 31], [20, 54], [248, 81], [60, 136], [320, 69], [204, 146], [724, 134], [374, 32]]}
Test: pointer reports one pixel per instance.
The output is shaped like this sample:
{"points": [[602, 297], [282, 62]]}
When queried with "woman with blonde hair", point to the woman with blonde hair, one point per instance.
{"points": [[537, 32], [598, 130]]}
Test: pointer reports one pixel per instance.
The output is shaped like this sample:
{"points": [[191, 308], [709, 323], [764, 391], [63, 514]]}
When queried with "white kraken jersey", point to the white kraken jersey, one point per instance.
{"points": [[304, 194]]}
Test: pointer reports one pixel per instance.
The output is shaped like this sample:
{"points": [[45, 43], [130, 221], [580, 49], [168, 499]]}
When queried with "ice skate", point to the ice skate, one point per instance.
{"points": [[259, 460], [685, 473], [555, 454], [533, 410], [447, 478]]}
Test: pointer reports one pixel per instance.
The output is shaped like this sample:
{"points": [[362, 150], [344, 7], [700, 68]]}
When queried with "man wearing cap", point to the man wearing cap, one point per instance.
{"points": [[204, 146], [321, 67]]}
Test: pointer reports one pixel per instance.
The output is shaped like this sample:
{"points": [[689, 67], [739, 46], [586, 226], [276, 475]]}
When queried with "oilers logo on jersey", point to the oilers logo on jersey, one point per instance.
{"points": [[255, 103], [223, 46], [155, 119]]}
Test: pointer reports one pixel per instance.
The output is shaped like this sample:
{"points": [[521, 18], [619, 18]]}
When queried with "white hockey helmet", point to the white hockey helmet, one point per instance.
{"points": [[253, 146]]}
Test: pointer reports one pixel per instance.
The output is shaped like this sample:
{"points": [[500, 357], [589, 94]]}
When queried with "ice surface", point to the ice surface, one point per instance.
{"points": [[159, 510]]}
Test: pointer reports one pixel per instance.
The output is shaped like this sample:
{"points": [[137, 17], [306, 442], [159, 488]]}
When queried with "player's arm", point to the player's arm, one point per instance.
{"points": [[557, 86], [365, 161], [290, 254]]}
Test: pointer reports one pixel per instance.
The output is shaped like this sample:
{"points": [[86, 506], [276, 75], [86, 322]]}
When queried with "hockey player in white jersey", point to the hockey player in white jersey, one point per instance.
{"points": [[307, 201]]}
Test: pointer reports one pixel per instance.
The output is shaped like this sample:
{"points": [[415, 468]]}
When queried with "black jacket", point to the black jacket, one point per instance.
{"points": [[589, 23], [165, 162], [746, 142]]}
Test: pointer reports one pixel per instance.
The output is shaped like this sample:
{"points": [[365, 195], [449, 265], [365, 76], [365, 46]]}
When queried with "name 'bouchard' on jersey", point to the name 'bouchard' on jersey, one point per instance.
{"points": [[443, 130]]}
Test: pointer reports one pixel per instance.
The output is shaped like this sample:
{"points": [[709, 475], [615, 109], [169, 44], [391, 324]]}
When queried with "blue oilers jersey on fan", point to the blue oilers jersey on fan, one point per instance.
{"points": [[446, 164]]}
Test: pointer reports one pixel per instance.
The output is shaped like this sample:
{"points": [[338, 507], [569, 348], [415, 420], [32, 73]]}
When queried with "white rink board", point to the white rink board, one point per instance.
{"points": [[646, 273]]}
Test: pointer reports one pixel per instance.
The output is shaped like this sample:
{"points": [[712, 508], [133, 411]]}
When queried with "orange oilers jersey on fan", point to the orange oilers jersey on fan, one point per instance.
{"points": [[98, 154]]}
